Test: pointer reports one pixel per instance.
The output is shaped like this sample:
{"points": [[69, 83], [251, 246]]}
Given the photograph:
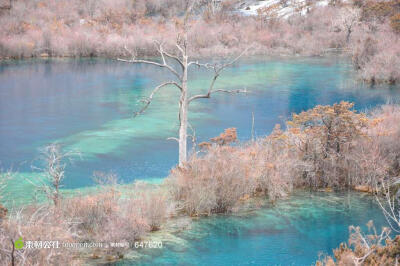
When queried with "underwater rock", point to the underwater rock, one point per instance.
{"points": [[327, 189], [366, 189]]}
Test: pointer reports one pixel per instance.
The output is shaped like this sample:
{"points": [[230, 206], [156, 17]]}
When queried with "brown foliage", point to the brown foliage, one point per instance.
{"points": [[226, 138], [372, 249], [395, 22], [217, 181], [327, 146], [213, 183], [333, 126], [382, 11], [378, 10], [328, 134]]}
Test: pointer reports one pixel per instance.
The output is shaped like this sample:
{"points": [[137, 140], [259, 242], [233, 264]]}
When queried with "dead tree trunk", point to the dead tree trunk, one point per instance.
{"points": [[183, 115], [181, 75]]}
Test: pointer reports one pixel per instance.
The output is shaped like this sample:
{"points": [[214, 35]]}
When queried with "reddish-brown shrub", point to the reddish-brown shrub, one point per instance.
{"points": [[213, 183], [371, 249], [327, 146], [395, 22], [93, 28], [328, 134]]}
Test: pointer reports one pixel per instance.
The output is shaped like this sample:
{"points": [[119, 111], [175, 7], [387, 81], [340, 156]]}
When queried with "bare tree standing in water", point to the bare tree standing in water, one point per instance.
{"points": [[181, 74]]}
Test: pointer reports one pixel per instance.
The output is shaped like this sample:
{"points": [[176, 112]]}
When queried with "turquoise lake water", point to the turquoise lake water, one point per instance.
{"points": [[295, 231], [87, 105]]}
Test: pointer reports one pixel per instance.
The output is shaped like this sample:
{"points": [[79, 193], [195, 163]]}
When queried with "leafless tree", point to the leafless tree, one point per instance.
{"points": [[369, 243], [181, 82], [54, 172], [389, 201], [348, 18]]}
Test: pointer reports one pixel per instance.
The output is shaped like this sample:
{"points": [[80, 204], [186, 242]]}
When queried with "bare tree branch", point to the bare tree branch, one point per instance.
{"points": [[217, 71], [208, 95], [54, 171], [390, 209], [162, 52], [221, 67], [173, 138], [163, 65], [368, 243], [182, 84], [148, 100], [180, 48], [174, 57]]}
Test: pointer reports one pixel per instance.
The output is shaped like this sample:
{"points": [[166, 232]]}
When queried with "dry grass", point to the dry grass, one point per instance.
{"points": [[103, 217]]}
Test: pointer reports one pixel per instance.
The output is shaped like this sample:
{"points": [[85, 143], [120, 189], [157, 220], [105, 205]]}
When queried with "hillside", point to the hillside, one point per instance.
{"points": [[366, 31]]}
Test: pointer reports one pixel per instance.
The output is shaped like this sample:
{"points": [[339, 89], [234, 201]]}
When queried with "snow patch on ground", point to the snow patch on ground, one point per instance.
{"points": [[283, 11]]}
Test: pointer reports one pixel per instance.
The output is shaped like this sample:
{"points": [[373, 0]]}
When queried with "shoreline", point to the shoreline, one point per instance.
{"points": [[183, 223], [340, 52], [219, 183], [336, 53]]}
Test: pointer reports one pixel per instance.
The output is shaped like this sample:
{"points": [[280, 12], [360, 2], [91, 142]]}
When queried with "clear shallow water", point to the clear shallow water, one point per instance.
{"points": [[293, 232], [87, 105]]}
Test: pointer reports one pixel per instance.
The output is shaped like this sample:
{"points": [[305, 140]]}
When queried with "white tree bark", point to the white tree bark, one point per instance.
{"points": [[182, 84], [183, 115]]}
